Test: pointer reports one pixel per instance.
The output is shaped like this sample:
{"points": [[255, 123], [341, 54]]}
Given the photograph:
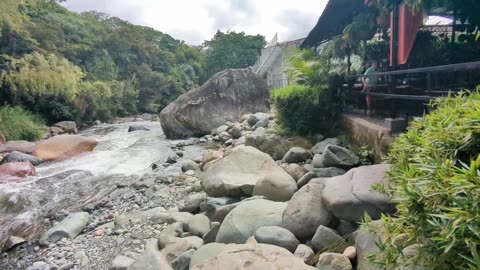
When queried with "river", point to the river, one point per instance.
{"points": [[120, 159]]}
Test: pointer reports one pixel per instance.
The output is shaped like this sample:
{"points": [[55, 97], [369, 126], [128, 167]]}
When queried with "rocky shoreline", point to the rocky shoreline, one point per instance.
{"points": [[252, 200]]}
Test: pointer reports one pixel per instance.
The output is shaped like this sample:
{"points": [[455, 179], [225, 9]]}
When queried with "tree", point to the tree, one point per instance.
{"points": [[232, 50]]}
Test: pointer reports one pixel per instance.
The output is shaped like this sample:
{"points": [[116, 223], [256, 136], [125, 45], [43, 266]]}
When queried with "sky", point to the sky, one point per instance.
{"points": [[195, 21]]}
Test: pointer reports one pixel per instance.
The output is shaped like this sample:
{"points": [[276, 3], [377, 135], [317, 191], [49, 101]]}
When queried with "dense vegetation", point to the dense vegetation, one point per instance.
{"points": [[311, 105], [17, 123], [69, 66], [232, 50], [436, 183]]}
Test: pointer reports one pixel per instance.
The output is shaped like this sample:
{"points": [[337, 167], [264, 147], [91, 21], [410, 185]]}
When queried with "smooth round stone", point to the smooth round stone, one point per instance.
{"points": [[277, 236]]}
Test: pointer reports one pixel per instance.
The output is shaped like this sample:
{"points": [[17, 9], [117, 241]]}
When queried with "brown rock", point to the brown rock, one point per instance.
{"points": [[64, 147], [20, 146]]}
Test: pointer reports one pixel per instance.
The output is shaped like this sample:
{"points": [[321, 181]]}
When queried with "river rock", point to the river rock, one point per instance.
{"points": [[67, 127], [64, 146], [306, 211], [69, 227], [242, 222], [236, 130], [16, 170], [257, 117], [335, 156], [198, 225], [173, 230], [220, 130], [177, 246], [200, 110], [319, 148], [326, 239], [333, 261], [183, 261], [297, 155], [350, 252], [275, 189], [277, 146], [137, 128], [296, 171], [131, 217], [350, 195], [304, 252], [237, 174], [256, 138], [20, 146], [192, 202], [182, 217], [211, 235], [251, 257], [121, 263], [151, 260], [16, 156], [217, 208], [262, 123], [211, 156], [329, 172], [306, 179], [366, 245], [12, 242], [277, 236]]}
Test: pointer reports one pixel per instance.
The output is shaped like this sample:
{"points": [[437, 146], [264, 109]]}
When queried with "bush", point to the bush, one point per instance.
{"points": [[436, 184], [305, 110], [19, 124]]}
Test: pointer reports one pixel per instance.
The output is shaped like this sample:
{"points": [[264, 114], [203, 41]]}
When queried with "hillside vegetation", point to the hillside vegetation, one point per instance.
{"points": [[68, 66]]}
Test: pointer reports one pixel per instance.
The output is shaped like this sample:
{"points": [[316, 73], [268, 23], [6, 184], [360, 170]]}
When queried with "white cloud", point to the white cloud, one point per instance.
{"points": [[197, 20]]}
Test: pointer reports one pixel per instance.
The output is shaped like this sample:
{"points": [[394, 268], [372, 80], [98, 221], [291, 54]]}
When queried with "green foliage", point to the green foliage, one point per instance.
{"points": [[36, 74], [232, 50], [436, 184], [304, 109], [19, 124], [64, 65]]}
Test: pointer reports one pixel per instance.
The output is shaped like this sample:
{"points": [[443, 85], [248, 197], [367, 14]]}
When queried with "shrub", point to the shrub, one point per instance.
{"points": [[436, 184], [305, 110], [19, 124]]}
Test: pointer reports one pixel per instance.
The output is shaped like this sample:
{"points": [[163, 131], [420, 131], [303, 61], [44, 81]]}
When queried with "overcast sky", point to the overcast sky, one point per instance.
{"points": [[197, 20]]}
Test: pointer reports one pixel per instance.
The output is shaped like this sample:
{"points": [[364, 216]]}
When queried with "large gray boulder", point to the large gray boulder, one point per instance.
{"points": [[335, 156], [350, 195], [277, 146], [366, 244], [306, 211], [225, 97], [252, 257], [242, 222], [237, 174]]}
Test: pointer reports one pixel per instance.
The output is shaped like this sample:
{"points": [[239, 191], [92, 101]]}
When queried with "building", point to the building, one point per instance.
{"points": [[273, 63]]}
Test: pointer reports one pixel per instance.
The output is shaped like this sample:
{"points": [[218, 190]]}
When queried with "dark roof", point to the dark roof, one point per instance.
{"points": [[335, 17]]}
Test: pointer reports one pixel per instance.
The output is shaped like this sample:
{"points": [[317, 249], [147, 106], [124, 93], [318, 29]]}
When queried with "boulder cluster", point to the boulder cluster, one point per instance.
{"points": [[253, 200], [262, 201], [19, 158]]}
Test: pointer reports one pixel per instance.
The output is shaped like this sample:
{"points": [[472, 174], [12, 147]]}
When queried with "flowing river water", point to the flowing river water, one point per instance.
{"points": [[120, 159]]}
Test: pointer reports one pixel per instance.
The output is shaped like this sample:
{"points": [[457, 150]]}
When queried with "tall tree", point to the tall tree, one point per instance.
{"points": [[232, 50]]}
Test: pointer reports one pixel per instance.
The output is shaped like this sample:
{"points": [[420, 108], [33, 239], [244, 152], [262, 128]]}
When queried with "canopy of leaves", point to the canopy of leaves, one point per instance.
{"points": [[66, 65], [232, 50]]}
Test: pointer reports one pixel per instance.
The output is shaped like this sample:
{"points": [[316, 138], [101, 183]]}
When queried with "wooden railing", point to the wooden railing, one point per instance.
{"points": [[402, 90]]}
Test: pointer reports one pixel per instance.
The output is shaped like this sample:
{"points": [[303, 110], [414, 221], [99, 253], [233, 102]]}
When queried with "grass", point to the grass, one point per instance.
{"points": [[17, 123]]}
